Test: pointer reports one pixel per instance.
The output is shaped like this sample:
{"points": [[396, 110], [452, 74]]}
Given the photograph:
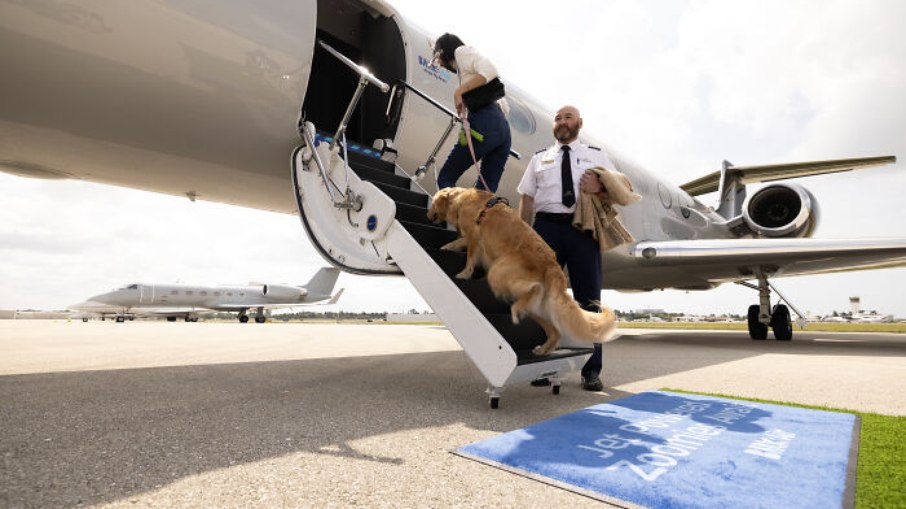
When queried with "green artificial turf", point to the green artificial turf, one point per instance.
{"points": [[881, 471]]}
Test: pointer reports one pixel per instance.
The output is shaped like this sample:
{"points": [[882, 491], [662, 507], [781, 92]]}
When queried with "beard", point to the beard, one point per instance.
{"points": [[564, 133]]}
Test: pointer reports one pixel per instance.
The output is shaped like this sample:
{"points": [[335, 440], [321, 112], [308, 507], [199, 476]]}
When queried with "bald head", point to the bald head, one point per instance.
{"points": [[567, 124]]}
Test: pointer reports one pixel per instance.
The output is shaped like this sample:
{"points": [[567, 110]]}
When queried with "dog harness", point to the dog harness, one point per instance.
{"points": [[492, 202]]}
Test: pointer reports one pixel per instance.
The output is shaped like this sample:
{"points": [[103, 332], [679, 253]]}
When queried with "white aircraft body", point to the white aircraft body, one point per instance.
{"points": [[188, 301], [266, 106]]}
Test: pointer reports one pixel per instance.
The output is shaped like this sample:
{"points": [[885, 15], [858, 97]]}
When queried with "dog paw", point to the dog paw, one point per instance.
{"points": [[464, 275], [539, 351]]}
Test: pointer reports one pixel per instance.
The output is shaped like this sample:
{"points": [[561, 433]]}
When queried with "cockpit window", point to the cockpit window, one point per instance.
{"points": [[132, 287]]}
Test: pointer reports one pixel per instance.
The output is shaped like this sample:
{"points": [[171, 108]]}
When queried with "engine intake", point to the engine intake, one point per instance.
{"points": [[781, 210], [284, 292]]}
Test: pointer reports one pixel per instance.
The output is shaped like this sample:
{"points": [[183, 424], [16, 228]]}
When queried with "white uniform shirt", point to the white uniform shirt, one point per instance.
{"points": [[541, 179]]}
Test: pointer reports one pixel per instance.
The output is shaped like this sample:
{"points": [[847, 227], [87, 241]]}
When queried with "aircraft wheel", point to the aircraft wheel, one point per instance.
{"points": [[120, 319], [555, 390], [495, 403], [187, 319], [171, 318], [84, 319], [259, 319], [194, 319], [757, 330], [781, 323], [243, 318]]}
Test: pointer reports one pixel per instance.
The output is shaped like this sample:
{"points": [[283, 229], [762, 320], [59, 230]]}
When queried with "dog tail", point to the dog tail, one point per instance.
{"points": [[577, 323]]}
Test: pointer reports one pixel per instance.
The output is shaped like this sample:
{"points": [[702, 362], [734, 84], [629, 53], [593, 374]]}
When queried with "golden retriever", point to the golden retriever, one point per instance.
{"points": [[521, 267]]}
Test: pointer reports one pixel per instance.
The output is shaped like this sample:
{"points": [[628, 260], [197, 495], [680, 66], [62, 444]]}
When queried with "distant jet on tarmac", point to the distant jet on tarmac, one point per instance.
{"points": [[188, 301]]}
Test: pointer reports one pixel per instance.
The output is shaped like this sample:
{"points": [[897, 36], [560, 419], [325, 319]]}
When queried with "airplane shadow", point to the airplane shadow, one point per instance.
{"points": [[92, 437]]}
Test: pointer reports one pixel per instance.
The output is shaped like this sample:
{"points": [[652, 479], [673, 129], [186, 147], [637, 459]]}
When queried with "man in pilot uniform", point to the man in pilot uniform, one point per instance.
{"points": [[548, 193]]}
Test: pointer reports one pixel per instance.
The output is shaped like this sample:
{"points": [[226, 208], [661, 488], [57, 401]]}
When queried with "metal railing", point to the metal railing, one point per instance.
{"points": [[454, 119]]}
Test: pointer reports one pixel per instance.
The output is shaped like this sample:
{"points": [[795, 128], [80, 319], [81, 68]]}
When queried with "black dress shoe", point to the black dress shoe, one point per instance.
{"points": [[540, 382], [591, 382]]}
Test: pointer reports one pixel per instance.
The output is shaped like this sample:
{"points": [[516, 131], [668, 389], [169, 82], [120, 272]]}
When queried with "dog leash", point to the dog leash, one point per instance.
{"points": [[464, 117]]}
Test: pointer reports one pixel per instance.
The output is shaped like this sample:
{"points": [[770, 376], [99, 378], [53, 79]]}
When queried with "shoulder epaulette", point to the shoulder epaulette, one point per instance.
{"points": [[540, 151], [594, 148]]}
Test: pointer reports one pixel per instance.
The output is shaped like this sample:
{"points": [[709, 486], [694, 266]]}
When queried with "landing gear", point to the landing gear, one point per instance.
{"points": [[757, 330], [120, 319], [762, 315], [781, 323], [260, 319], [85, 319], [243, 318], [171, 318]]}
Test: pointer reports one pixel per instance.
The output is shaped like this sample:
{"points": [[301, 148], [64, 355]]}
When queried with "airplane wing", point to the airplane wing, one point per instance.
{"points": [[768, 172], [722, 260]]}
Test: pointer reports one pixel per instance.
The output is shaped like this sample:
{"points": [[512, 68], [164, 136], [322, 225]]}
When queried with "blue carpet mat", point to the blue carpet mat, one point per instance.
{"points": [[670, 450]]}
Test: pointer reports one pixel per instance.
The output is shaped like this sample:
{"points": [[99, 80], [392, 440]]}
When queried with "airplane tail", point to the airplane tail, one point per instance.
{"points": [[322, 283]]}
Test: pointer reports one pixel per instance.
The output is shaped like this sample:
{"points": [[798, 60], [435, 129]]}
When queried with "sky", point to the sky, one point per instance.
{"points": [[677, 86]]}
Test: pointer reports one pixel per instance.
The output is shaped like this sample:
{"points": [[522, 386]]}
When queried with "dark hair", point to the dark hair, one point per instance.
{"points": [[446, 46]]}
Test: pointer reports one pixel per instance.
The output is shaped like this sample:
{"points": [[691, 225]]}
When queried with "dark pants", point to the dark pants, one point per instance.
{"points": [[492, 151], [578, 252]]}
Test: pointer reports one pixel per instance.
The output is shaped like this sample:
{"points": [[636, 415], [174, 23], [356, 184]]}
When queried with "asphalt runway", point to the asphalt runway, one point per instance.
{"points": [[157, 414]]}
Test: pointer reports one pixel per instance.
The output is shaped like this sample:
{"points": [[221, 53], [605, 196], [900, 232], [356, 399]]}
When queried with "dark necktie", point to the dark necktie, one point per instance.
{"points": [[566, 179]]}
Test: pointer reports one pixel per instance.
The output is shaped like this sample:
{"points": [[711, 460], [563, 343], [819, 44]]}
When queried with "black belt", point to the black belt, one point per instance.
{"points": [[551, 217]]}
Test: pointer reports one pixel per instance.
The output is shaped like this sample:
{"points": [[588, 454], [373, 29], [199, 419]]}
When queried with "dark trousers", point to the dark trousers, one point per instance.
{"points": [[578, 252], [492, 151]]}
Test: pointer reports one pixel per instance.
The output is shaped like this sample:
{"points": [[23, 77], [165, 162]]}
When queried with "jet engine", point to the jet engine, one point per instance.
{"points": [[284, 292], [781, 210]]}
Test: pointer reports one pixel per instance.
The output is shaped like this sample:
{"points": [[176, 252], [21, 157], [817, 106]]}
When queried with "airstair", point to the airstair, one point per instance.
{"points": [[367, 215]]}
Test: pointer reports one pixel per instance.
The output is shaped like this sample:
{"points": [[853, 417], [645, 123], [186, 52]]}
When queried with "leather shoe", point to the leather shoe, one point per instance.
{"points": [[540, 382], [591, 382]]}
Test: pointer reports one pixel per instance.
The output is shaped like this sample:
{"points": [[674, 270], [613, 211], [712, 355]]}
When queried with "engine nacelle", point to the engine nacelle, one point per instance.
{"points": [[284, 292], [781, 210]]}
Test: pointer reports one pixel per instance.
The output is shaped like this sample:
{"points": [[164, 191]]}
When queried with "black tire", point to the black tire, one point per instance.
{"points": [[757, 330], [555, 390], [243, 318], [120, 319], [781, 323], [260, 319], [171, 318], [495, 403]]}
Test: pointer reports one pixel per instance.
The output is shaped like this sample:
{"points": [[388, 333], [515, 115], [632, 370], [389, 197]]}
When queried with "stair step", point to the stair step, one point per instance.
{"points": [[478, 291], [375, 175], [527, 357], [413, 214], [430, 236], [400, 195], [369, 161]]}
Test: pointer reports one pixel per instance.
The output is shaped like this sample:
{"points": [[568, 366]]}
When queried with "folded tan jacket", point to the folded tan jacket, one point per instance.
{"points": [[597, 213]]}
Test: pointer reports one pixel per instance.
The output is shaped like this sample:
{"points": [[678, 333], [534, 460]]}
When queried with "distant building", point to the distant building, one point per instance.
{"points": [[412, 317]]}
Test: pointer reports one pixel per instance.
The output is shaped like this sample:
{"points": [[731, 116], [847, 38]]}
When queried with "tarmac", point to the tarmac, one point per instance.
{"points": [[157, 414]]}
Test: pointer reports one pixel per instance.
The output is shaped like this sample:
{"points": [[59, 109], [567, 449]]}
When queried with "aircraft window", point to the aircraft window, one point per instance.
{"points": [[229, 294], [202, 292], [190, 292], [242, 294], [174, 292], [216, 294]]}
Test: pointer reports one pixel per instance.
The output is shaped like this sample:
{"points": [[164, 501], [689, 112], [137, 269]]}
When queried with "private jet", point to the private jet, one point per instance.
{"points": [[333, 110], [189, 301]]}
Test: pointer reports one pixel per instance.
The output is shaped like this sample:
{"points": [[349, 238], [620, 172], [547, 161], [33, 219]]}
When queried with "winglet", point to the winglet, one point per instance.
{"points": [[335, 298]]}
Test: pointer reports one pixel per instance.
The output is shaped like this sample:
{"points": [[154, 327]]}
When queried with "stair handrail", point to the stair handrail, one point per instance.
{"points": [[444, 109]]}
